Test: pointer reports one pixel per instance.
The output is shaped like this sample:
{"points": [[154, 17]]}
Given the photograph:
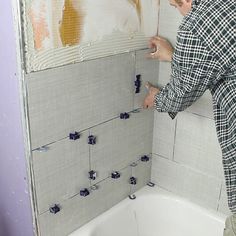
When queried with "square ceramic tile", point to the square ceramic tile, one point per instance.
{"points": [[164, 135], [61, 171], [146, 71], [164, 73], [187, 182], [141, 172], [203, 106], [223, 202], [196, 144], [120, 142], [169, 21]]}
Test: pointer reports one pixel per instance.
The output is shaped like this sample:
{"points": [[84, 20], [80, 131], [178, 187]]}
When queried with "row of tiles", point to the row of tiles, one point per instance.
{"points": [[78, 210], [199, 187], [118, 144], [80, 96], [190, 140]]}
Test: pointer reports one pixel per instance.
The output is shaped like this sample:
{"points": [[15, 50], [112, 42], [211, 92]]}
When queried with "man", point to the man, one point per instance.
{"points": [[204, 58]]}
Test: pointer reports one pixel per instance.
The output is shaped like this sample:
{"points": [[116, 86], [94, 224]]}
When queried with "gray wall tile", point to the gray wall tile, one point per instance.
{"points": [[196, 144], [60, 172], [169, 20], [148, 69], [164, 135], [187, 182], [203, 106], [223, 202], [120, 142], [164, 73], [142, 172]]}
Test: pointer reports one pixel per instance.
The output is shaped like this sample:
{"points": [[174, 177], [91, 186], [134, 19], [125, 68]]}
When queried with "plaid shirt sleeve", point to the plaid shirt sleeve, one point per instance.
{"points": [[193, 70]]}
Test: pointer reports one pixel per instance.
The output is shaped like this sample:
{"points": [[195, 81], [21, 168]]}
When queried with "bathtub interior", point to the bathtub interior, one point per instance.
{"points": [[175, 217], [153, 214]]}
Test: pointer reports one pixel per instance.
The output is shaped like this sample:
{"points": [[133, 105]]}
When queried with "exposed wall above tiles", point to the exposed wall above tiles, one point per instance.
{"points": [[67, 31]]}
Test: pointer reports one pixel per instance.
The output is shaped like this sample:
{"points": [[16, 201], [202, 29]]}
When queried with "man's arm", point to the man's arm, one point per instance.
{"points": [[193, 71]]}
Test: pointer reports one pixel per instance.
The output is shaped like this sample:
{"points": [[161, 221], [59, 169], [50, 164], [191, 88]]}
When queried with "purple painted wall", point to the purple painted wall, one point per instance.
{"points": [[15, 209]]}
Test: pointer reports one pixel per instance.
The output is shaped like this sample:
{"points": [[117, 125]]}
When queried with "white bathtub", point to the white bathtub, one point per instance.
{"points": [[155, 212]]}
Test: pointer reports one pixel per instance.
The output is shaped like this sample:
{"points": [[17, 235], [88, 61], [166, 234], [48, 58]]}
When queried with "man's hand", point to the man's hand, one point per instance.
{"points": [[163, 50], [149, 99]]}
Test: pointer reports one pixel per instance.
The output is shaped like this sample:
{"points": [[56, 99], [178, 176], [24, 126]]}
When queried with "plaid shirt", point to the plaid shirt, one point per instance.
{"points": [[205, 58]]}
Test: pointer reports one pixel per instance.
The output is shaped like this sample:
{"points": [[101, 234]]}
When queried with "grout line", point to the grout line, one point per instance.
{"points": [[90, 162], [196, 114], [221, 189], [158, 155], [173, 154], [134, 74], [187, 167], [137, 110]]}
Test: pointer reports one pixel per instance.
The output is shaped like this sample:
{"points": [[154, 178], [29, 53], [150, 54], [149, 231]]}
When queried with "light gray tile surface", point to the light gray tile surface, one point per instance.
{"points": [[169, 21], [79, 96], [148, 69], [196, 144], [223, 202], [61, 171], [142, 172], [187, 182], [79, 210], [164, 135], [203, 106], [164, 73], [120, 142]]}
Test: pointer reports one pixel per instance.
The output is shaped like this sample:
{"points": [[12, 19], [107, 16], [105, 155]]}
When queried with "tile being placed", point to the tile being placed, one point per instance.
{"points": [[164, 135], [120, 142], [78, 210], [79, 96], [196, 144], [61, 171], [187, 182], [147, 71]]}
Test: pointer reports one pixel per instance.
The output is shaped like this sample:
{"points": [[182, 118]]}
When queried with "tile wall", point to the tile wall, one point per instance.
{"points": [[88, 98]]}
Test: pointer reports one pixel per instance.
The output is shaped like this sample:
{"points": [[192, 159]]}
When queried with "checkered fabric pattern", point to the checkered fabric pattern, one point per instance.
{"points": [[205, 58]]}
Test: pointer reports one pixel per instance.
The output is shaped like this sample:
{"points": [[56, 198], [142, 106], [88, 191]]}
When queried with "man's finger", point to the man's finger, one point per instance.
{"points": [[147, 86]]}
